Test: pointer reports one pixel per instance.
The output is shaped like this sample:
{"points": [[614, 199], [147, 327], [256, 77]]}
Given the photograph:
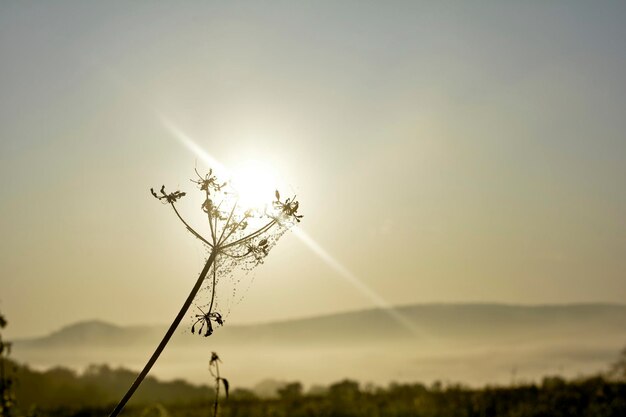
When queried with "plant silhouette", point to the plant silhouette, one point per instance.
{"points": [[239, 237], [214, 369]]}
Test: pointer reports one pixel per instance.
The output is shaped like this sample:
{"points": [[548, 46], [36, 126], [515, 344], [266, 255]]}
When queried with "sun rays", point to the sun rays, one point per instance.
{"points": [[252, 178]]}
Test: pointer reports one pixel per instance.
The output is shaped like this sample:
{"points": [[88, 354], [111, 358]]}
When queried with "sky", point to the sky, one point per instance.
{"points": [[441, 152]]}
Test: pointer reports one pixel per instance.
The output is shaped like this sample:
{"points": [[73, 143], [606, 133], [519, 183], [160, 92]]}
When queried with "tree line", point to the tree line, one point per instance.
{"points": [[63, 392]]}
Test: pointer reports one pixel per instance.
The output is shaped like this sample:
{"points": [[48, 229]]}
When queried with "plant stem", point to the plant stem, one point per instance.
{"points": [[250, 236], [168, 334], [230, 216], [193, 232], [217, 390], [213, 290]]}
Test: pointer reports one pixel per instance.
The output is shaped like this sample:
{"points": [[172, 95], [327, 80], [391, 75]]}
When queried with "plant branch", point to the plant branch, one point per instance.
{"points": [[208, 212], [213, 290], [251, 235], [230, 216], [193, 232], [168, 335], [233, 229], [216, 218], [217, 389], [210, 220], [233, 256]]}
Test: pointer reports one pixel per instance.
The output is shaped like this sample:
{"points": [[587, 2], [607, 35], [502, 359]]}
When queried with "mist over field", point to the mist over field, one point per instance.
{"points": [[475, 344]]}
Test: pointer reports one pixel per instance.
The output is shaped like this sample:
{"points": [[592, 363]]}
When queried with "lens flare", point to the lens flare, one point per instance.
{"points": [[250, 183]]}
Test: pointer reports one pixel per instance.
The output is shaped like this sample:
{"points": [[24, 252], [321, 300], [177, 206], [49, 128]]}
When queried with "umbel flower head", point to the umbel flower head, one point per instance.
{"points": [[237, 237]]}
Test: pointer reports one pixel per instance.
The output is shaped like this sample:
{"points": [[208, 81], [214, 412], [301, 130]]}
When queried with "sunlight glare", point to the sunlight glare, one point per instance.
{"points": [[255, 183]]}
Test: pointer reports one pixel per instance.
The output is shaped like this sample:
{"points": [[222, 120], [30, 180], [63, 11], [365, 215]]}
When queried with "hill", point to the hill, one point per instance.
{"points": [[475, 343]]}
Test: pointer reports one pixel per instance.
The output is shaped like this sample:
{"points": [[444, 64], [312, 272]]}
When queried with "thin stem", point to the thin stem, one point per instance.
{"points": [[212, 290], [233, 229], [208, 212], [230, 216], [216, 218], [251, 235], [230, 255], [217, 389], [168, 335], [196, 234]]}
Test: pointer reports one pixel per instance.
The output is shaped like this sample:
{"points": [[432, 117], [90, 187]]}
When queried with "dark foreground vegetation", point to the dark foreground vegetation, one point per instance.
{"points": [[62, 392]]}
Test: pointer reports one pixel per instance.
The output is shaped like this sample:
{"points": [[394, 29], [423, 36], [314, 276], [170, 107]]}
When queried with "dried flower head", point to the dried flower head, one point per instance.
{"points": [[166, 198], [240, 237], [288, 208]]}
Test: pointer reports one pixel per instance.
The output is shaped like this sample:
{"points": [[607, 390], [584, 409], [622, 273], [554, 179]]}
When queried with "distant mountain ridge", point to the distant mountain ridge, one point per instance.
{"points": [[91, 332], [439, 320], [475, 343]]}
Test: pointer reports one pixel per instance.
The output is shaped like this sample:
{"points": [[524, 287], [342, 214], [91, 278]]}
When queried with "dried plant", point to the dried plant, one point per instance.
{"points": [[240, 237], [214, 369]]}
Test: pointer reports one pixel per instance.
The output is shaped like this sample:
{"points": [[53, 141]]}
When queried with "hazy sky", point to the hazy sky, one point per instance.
{"points": [[469, 151]]}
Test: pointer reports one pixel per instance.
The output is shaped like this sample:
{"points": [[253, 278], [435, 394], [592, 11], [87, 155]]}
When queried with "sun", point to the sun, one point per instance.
{"points": [[254, 182]]}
